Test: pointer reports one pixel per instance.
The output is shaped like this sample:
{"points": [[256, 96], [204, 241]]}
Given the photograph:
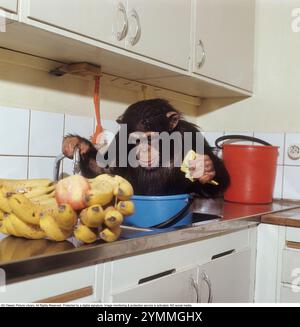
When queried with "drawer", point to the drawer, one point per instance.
{"points": [[288, 295], [293, 234], [129, 271], [72, 286], [290, 265]]}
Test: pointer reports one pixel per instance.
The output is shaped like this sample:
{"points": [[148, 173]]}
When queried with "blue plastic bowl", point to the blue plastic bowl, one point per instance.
{"points": [[153, 210]]}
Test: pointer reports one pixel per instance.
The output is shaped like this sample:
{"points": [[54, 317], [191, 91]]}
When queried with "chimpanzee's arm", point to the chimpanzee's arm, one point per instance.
{"points": [[88, 154]]}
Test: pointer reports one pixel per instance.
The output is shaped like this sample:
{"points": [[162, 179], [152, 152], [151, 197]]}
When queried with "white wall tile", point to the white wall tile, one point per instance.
{"points": [[277, 194], [13, 167], [68, 166], [41, 167], [79, 125], [211, 137], [291, 182], [46, 133], [291, 138], [239, 141], [276, 139], [14, 130]]}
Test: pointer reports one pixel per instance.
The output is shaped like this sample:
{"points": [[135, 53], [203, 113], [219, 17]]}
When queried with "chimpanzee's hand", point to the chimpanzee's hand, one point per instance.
{"points": [[71, 142], [202, 168]]}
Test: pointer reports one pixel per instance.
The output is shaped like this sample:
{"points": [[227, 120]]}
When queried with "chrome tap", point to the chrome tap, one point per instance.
{"points": [[58, 160], [76, 161], [56, 169]]}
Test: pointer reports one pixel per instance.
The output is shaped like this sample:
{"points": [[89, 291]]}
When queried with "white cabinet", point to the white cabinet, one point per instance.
{"points": [[9, 5], [224, 41], [278, 264], [174, 288], [160, 30], [177, 274], [76, 286], [227, 279], [156, 29], [97, 19]]}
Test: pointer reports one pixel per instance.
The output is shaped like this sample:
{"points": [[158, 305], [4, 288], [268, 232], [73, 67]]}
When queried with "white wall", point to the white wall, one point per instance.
{"points": [[275, 105]]}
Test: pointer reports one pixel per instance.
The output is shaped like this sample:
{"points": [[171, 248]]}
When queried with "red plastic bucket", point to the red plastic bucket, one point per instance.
{"points": [[252, 170]]}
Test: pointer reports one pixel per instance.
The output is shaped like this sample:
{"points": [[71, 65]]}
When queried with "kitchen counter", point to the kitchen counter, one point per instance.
{"points": [[25, 259], [290, 218]]}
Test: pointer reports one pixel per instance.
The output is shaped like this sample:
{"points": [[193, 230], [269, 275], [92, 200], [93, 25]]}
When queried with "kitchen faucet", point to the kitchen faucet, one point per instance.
{"points": [[58, 160]]}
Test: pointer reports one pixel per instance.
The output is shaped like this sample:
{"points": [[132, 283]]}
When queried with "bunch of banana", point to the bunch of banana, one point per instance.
{"points": [[24, 218], [40, 191], [111, 186], [59, 224]]}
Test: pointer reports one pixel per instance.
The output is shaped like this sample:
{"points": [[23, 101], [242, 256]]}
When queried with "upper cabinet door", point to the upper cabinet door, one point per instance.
{"points": [[103, 20], [10, 5], [160, 29], [224, 41]]}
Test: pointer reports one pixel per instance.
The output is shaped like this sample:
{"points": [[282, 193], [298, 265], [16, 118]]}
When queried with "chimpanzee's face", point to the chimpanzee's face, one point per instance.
{"points": [[149, 118]]}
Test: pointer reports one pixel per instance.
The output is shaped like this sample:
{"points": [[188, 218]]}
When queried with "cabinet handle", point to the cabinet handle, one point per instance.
{"points": [[121, 34], [195, 285], [205, 278], [135, 38], [203, 55]]}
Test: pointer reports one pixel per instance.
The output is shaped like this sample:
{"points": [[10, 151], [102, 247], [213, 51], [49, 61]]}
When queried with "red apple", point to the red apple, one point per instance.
{"points": [[72, 190]]}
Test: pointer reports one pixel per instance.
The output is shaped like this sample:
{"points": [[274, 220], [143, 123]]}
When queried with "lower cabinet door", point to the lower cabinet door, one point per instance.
{"points": [[289, 293], [70, 286], [227, 279], [175, 287]]}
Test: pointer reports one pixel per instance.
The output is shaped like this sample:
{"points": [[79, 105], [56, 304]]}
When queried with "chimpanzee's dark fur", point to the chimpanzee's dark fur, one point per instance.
{"points": [[151, 115]]}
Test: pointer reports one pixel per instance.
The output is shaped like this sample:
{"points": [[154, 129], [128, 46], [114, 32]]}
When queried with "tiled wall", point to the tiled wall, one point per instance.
{"points": [[30, 140], [287, 183]]}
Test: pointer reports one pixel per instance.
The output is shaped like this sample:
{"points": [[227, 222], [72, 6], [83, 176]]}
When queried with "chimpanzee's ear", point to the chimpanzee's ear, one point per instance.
{"points": [[120, 119], [173, 118]]}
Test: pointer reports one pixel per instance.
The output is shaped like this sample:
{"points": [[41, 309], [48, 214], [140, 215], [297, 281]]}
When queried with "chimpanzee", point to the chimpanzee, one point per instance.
{"points": [[154, 117]]}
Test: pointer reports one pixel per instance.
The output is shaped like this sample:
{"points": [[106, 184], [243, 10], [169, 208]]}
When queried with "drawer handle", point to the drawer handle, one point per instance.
{"points": [[195, 285], [206, 279], [122, 33], [293, 245], [203, 54], [222, 254], [137, 34], [69, 296], [156, 276]]}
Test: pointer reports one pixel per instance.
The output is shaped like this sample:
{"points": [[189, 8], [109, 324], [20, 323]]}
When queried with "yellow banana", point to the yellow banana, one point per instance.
{"points": [[66, 217], [8, 228], [2, 213], [4, 205], [3, 230], [113, 218], [92, 216], [25, 209], [49, 225], [126, 208], [110, 235], [29, 231], [103, 177], [40, 191], [101, 193], [124, 191], [42, 198], [85, 234], [24, 183]]}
